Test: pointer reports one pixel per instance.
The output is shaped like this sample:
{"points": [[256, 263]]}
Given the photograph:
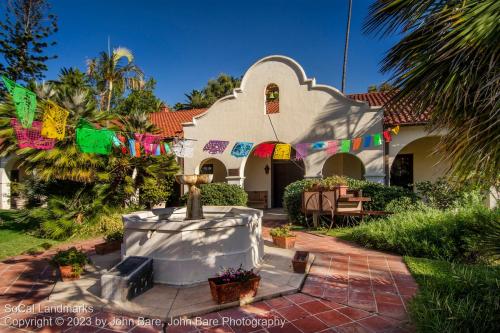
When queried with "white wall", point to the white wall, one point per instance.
{"points": [[308, 113], [426, 164], [256, 178], [343, 165]]}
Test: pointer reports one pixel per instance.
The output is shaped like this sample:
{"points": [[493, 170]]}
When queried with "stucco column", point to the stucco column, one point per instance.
{"points": [[236, 180], [4, 186]]}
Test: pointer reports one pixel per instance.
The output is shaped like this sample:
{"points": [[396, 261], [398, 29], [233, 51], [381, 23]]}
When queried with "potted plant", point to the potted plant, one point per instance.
{"points": [[283, 237], [232, 285], [17, 198], [70, 263], [299, 261], [113, 243]]}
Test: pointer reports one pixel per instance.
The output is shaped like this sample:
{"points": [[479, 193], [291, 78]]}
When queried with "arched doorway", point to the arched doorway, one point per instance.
{"points": [[267, 178], [344, 164], [215, 167], [416, 163]]}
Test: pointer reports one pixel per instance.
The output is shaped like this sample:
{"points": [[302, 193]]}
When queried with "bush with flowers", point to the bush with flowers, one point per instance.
{"points": [[229, 275]]}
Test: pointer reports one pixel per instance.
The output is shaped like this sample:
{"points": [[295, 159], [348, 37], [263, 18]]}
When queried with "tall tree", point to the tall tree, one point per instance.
{"points": [[222, 86], [384, 87], [447, 64], [113, 73], [140, 100], [24, 36]]}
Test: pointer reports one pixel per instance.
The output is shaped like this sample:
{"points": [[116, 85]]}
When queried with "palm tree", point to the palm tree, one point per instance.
{"points": [[447, 64], [64, 162], [110, 74], [196, 99]]}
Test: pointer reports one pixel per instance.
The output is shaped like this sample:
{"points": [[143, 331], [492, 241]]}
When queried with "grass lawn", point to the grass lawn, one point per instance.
{"points": [[455, 297], [15, 238]]}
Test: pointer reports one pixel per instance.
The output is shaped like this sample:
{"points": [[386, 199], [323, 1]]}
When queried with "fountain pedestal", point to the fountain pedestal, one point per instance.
{"points": [[194, 209]]}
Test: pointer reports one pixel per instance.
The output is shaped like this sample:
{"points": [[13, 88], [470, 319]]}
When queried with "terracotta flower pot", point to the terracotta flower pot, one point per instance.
{"points": [[107, 247], [299, 261], [343, 190], [68, 273], [233, 291], [283, 242]]}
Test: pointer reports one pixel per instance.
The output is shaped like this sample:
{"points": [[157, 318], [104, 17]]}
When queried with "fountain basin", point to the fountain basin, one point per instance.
{"points": [[190, 251]]}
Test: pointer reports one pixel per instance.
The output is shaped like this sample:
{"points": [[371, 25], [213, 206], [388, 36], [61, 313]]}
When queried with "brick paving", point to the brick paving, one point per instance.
{"points": [[349, 289]]}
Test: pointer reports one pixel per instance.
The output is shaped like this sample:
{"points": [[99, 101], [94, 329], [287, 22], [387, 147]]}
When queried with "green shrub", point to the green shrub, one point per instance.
{"points": [[221, 194], [114, 236], [106, 223], [282, 231], [380, 194], [455, 235], [405, 204], [442, 194], [71, 257], [455, 297], [155, 191], [292, 200]]}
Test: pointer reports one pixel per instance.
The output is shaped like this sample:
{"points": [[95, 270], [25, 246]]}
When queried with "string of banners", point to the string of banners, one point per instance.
{"points": [[89, 139], [283, 151]]}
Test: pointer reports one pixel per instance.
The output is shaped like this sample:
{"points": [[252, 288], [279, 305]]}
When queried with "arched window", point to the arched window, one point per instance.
{"points": [[272, 99]]}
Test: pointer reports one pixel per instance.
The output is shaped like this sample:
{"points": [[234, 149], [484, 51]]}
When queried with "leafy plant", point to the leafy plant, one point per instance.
{"points": [[282, 231], [330, 183], [446, 66], [114, 236], [17, 189], [454, 235], [442, 194], [222, 194], [229, 275], [155, 191], [71, 257], [405, 204]]}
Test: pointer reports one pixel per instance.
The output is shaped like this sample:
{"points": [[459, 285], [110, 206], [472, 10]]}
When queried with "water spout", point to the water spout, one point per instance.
{"points": [[194, 209]]}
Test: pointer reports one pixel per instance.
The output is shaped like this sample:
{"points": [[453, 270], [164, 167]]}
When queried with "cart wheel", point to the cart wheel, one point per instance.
{"points": [[316, 218]]}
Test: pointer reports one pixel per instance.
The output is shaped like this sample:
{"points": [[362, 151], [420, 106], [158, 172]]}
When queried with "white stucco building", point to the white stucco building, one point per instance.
{"points": [[305, 111], [278, 102]]}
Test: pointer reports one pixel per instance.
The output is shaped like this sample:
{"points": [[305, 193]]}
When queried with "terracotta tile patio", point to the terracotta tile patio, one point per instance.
{"points": [[349, 289]]}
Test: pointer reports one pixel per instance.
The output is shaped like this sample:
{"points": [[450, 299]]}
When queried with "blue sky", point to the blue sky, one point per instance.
{"points": [[182, 44]]}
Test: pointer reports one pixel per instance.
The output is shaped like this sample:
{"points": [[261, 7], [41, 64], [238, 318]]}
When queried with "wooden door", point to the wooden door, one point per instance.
{"points": [[284, 173]]}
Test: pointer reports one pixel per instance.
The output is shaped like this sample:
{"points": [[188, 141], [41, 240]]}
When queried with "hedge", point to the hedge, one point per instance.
{"points": [[380, 194], [221, 194]]}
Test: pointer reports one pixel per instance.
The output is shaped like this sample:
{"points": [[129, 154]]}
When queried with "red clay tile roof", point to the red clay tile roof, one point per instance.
{"points": [[393, 115], [170, 122]]}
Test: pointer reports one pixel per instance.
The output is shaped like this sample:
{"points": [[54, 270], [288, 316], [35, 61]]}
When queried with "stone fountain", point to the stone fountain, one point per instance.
{"points": [[191, 244]]}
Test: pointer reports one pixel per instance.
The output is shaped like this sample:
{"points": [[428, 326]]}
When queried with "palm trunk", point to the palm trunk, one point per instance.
{"points": [[109, 95], [346, 47]]}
